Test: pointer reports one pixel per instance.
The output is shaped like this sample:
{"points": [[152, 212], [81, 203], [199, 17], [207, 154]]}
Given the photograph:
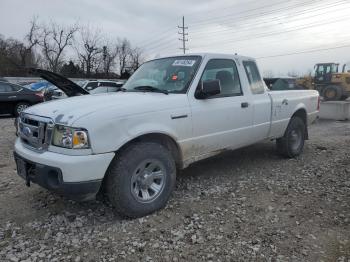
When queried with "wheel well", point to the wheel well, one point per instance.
{"points": [[22, 101], [15, 103], [301, 113], [165, 140]]}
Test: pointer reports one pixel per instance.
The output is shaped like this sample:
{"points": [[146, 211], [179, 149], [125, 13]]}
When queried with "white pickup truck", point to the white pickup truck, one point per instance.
{"points": [[172, 112]]}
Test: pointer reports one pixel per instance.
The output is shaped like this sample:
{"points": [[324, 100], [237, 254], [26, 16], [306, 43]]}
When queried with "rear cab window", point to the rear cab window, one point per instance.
{"points": [[254, 78]]}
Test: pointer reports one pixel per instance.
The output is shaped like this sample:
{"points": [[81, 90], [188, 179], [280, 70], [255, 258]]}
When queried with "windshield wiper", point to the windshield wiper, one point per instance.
{"points": [[151, 89]]}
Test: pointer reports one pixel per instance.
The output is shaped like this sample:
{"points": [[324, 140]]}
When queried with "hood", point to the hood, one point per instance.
{"points": [[106, 106], [67, 86]]}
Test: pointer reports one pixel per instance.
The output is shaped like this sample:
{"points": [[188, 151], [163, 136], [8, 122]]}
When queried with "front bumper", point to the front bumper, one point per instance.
{"points": [[77, 177]]}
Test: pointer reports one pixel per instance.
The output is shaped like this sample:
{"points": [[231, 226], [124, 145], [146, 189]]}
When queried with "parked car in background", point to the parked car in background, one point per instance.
{"points": [[105, 89], [92, 84], [282, 83], [15, 98], [39, 86]]}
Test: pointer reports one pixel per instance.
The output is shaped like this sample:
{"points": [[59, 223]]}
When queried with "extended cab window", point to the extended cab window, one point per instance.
{"points": [[225, 71], [254, 78]]}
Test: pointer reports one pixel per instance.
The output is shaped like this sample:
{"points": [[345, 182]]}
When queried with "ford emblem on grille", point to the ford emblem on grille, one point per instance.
{"points": [[26, 131]]}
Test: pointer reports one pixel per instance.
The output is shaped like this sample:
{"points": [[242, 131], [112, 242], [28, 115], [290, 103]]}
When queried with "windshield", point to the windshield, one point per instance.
{"points": [[172, 75]]}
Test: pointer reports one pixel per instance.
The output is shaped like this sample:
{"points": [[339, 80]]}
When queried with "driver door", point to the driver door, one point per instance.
{"points": [[223, 120]]}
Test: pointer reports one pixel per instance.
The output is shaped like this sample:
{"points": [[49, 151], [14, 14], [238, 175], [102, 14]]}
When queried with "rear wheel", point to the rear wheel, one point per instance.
{"points": [[292, 143], [141, 179], [332, 93], [19, 107]]}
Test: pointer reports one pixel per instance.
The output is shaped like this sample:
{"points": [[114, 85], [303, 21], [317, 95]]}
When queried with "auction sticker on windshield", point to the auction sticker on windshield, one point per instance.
{"points": [[184, 62]]}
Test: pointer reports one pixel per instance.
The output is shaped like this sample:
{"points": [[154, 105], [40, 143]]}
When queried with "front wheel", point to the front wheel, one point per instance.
{"points": [[292, 143], [141, 179], [332, 93], [19, 107]]}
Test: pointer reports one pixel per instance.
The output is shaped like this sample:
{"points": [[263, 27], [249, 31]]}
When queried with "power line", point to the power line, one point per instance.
{"points": [[273, 20], [163, 39], [183, 39], [155, 38], [252, 14], [160, 40], [164, 42], [220, 9], [167, 43], [305, 51], [160, 37], [262, 35]]}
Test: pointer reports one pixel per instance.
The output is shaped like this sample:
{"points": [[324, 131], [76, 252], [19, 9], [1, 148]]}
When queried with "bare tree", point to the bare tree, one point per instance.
{"points": [[136, 58], [124, 49], [26, 50], [9, 53], [89, 49], [12, 59], [109, 54], [53, 41]]}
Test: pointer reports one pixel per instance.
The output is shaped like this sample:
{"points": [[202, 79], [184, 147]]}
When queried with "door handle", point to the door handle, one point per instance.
{"points": [[285, 102], [12, 96], [244, 104]]}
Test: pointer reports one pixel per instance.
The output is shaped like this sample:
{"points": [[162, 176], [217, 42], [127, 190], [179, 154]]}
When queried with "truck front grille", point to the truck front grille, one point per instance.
{"points": [[35, 131]]}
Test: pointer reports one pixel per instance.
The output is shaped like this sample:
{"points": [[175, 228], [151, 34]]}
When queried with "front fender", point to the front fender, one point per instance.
{"points": [[110, 135]]}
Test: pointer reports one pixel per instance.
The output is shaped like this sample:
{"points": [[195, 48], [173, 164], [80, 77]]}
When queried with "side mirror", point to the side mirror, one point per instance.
{"points": [[208, 88]]}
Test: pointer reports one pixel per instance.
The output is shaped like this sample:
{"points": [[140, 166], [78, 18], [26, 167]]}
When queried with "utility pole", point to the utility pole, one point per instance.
{"points": [[183, 39]]}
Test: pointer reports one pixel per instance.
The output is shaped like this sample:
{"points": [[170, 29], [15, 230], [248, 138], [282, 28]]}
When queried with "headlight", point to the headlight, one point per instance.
{"points": [[70, 137]]}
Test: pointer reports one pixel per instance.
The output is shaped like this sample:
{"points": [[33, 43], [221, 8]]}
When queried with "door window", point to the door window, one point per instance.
{"points": [[254, 78], [5, 88], [225, 71], [91, 86], [320, 70], [15, 88], [108, 84]]}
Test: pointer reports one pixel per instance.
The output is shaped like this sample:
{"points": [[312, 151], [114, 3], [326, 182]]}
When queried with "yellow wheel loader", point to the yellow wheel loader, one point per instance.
{"points": [[331, 84]]}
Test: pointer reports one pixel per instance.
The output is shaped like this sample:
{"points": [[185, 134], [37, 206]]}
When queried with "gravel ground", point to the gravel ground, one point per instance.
{"points": [[245, 205]]}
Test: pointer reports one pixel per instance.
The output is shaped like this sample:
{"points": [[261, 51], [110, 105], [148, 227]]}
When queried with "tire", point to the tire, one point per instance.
{"points": [[332, 93], [19, 107], [292, 143], [134, 176]]}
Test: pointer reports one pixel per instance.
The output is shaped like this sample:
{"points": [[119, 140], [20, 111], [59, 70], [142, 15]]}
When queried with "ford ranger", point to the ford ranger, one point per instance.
{"points": [[173, 111]]}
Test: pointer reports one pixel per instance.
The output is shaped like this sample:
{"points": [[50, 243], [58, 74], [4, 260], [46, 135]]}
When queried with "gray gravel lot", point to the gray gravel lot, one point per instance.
{"points": [[245, 205]]}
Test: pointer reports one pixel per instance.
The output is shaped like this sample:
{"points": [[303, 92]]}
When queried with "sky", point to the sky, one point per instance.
{"points": [[265, 30]]}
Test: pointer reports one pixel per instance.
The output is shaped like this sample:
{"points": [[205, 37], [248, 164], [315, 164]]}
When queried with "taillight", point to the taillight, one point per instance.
{"points": [[318, 103], [40, 94]]}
